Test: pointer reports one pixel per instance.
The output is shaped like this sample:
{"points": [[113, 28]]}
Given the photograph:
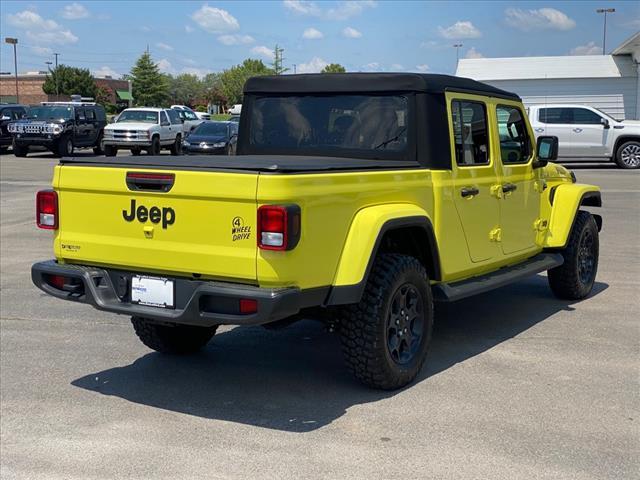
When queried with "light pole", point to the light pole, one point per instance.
{"points": [[49, 68], [14, 42], [604, 34], [457, 46]]}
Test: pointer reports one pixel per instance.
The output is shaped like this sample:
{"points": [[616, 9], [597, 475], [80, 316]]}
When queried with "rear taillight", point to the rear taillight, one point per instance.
{"points": [[278, 227], [47, 209]]}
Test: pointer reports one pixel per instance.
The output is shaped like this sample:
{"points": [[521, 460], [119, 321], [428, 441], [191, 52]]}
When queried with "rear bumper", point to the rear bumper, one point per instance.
{"points": [[200, 303]]}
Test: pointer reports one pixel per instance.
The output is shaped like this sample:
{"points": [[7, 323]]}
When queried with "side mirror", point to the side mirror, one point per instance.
{"points": [[546, 149], [605, 123]]}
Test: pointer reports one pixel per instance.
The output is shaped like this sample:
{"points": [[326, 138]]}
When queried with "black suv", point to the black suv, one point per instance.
{"points": [[9, 113], [60, 127]]}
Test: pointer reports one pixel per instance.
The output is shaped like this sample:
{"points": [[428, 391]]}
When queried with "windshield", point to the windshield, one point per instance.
{"points": [[211, 128], [144, 116], [51, 113], [324, 125], [187, 115]]}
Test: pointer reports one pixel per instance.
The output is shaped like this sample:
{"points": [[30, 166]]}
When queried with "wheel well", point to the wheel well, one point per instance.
{"points": [[623, 139], [416, 241]]}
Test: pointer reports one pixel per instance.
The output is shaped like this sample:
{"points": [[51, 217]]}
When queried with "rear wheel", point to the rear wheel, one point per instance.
{"points": [[98, 148], [386, 336], [171, 337], [110, 151], [155, 146], [176, 148], [628, 155], [574, 279], [20, 150], [65, 146]]}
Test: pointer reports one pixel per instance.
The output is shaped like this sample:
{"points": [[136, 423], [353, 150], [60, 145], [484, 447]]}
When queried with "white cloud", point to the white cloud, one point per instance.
{"points": [[189, 29], [351, 33], [164, 46], [429, 44], [165, 66], [40, 30], [74, 11], [41, 50], [460, 30], [396, 67], [540, 19], [473, 53], [312, 34], [145, 28], [236, 39], [105, 71], [422, 68], [342, 11], [215, 20], [302, 7], [589, 49], [263, 51], [373, 66], [315, 65], [198, 72]]}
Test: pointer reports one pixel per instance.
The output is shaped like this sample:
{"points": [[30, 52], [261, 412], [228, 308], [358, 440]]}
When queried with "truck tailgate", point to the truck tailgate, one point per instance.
{"points": [[158, 220]]}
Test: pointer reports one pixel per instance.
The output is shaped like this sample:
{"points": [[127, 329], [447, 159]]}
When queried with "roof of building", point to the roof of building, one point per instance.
{"points": [[631, 46], [369, 83], [520, 68]]}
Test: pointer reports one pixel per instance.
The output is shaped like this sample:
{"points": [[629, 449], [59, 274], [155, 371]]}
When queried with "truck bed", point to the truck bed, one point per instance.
{"points": [[243, 163]]}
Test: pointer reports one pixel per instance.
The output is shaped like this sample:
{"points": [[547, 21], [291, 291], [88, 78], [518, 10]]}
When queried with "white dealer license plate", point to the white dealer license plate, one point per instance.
{"points": [[152, 291]]}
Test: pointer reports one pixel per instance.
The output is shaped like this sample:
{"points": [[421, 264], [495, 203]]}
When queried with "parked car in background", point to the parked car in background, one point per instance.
{"points": [[212, 138], [203, 115], [144, 128], [189, 117], [9, 113], [235, 110], [60, 127], [588, 133]]}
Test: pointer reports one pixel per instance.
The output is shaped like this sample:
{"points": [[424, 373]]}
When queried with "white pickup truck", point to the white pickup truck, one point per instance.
{"points": [[144, 128], [586, 132]]}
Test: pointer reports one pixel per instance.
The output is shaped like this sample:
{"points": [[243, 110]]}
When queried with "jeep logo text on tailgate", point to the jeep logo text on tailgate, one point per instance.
{"points": [[155, 214]]}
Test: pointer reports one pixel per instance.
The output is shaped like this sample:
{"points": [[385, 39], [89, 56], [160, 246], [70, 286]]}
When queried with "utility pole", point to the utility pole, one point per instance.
{"points": [[604, 34], [56, 54], [294, 68], [14, 42], [277, 60], [457, 46], [56, 79]]}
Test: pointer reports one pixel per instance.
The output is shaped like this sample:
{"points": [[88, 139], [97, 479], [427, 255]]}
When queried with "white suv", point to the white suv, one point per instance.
{"points": [[144, 128], [586, 132]]}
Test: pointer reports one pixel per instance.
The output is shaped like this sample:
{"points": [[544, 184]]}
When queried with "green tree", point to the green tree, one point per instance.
{"points": [[187, 89], [103, 95], [150, 87], [67, 80], [232, 80], [333, 68]]}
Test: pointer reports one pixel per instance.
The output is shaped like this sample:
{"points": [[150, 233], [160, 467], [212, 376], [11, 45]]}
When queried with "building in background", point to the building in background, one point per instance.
{"points": [[608, 82], [30, 89]]}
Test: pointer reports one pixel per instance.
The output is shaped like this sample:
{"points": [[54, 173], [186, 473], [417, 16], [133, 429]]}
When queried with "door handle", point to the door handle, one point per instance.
{"points": [[509, 187], [469, 191], [577, 130], [539, 130]]}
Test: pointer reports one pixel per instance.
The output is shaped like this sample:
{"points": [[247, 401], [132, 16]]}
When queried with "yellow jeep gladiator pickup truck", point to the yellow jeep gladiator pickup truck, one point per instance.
{"points": [[366, 196]]}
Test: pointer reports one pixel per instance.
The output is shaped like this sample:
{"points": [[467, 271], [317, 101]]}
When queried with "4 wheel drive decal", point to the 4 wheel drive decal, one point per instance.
{"points": [[239, 231], [155, 214]]}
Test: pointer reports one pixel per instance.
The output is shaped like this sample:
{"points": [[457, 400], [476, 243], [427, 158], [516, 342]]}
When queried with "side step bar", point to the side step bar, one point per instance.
{"points": [[450, 292]]}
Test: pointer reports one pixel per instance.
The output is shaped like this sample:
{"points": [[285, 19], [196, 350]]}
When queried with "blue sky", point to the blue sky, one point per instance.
{"points": [[201, 37]]}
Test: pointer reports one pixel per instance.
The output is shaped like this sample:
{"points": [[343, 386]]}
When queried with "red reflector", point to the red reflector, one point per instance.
{"points": [[272, 219], [248, 305], [57, 281], [47, 209]]}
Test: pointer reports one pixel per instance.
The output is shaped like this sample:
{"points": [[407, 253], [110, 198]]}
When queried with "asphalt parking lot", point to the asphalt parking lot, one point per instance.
{"points": [[518, 385]]}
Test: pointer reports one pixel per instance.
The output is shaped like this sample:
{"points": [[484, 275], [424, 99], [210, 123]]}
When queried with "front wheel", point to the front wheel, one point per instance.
{"points": [[65, 146], [171, 337], [386, 336], [628, 155], [110, 151], [574, 279], [155, 146], [20, 150]]}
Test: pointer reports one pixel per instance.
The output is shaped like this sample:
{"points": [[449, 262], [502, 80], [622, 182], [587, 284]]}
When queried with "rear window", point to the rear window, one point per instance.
{"points": [[331, 124]]}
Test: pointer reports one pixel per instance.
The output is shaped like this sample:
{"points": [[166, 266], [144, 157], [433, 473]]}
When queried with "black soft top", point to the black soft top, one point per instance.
{"points": [[370, 83]]}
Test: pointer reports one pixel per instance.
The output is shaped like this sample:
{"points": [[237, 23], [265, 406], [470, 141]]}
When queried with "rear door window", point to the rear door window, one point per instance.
{"points": [[556, 115], [470, 132]]}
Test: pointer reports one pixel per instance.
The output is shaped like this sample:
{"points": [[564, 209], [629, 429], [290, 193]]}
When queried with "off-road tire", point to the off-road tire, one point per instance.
{"points": [[570, 281], [171, 338], [3, 150], [20, 150], [98, 148], [176, 148], [628, 155], [154, 149], [65, 146], [364, 329], [110, 151]]}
